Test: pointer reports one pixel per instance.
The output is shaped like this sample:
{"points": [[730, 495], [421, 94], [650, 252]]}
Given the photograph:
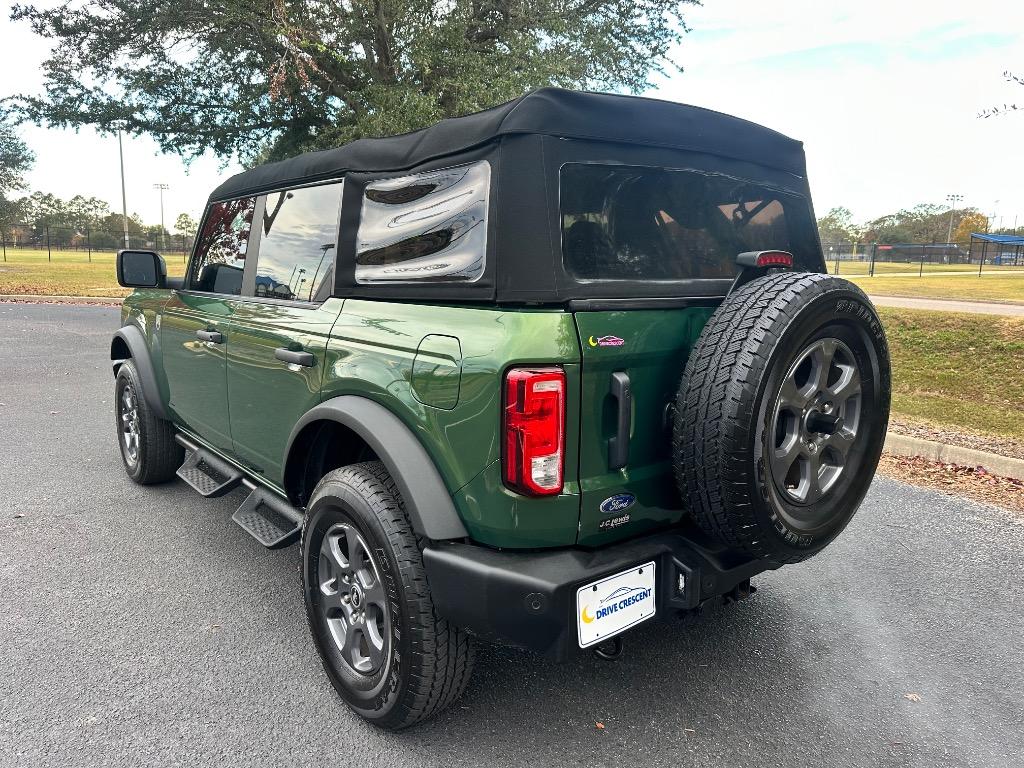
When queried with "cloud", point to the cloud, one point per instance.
{"points": [[885, 95]]}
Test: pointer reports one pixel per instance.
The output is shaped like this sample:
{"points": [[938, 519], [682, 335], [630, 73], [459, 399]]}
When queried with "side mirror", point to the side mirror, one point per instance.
{"points": [[141, 269]]}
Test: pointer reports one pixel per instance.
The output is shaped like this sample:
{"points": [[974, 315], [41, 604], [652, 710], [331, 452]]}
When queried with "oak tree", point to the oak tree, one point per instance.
{"points": [[270, 78]]}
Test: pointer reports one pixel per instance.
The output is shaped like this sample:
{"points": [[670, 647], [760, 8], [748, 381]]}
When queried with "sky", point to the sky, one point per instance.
{"points": [[885, 95]]}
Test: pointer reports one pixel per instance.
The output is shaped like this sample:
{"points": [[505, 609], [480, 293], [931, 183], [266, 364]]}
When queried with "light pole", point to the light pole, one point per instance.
{"points": [[952, 200], [161, 187], [302, 271], [124, 196]]}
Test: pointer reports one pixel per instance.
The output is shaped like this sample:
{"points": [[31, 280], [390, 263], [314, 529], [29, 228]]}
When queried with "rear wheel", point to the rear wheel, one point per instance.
{"points": [[782, 413], [148, 448], [392, 659]]}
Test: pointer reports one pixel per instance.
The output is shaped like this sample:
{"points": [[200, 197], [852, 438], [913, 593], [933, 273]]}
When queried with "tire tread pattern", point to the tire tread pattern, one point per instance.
{"points": [[443, 655], [159, 454], [715, 425]]}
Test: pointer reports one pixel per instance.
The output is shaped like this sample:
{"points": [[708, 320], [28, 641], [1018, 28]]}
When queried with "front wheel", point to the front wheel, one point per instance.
{"points": [[387, 653], [148, 448]]}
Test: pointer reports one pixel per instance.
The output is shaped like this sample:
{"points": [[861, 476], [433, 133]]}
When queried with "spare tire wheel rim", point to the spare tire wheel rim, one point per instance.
{"points": [[814, 423]]}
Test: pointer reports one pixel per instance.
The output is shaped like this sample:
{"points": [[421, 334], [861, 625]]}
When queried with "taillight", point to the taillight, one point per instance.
{"points": [[535, 430]]}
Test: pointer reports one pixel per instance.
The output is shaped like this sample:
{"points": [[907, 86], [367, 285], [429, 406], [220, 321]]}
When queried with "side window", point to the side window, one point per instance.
{"points": [[426, 227], [298, 240], [628, 223], [220, 249]]}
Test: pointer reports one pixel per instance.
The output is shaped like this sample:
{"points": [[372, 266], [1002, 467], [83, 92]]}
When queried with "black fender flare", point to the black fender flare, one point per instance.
{"points": [[430, 506], [139, 349]]}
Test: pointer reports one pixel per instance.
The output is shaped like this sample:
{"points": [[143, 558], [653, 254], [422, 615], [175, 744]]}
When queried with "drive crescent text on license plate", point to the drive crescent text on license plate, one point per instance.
{"points": [[615, 603]]}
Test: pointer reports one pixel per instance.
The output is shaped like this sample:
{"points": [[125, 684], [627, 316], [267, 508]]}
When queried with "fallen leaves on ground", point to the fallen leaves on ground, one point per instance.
{"points": [[974, 482]]}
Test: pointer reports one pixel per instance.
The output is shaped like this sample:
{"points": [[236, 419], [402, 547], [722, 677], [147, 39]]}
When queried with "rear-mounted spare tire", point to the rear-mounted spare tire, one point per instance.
{"points": [[782, 413]]}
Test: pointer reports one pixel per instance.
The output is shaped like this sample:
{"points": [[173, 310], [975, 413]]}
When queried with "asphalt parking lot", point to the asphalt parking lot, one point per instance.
{"points": [[141, 626]]}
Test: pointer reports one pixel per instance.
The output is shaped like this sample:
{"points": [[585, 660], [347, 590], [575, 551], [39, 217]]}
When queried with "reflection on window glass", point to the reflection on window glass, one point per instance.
{"points": [[298, 242], [427, 227], [220, 248], [626, 223]]}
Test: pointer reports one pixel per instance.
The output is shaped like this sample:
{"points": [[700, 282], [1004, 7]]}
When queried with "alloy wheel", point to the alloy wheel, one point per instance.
{"points": [[129, 413], [352, 599], [815, 421]]}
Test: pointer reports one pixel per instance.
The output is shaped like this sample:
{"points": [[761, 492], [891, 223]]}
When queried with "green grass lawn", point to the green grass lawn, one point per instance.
{"points": [[958, 370], [70, 273], [993, 286]]}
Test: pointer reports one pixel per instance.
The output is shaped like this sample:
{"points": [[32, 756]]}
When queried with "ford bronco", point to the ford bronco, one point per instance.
{"points": [[532, 376]]}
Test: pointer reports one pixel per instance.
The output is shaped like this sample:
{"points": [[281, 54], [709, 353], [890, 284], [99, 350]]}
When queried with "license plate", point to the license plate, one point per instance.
{"points": [[615, 603]]}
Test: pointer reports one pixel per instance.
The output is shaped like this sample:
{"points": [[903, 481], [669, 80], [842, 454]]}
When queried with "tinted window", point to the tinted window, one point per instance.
{"points": [[220, 248], [427, 227], [627, 223], [298, 242]]}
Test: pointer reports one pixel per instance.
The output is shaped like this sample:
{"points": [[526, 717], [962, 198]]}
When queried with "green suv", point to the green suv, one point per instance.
{"points": [[531, 376]]}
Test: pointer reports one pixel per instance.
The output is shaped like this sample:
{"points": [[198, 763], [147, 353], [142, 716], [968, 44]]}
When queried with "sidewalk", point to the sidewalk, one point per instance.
{"points": [[950, 305]]}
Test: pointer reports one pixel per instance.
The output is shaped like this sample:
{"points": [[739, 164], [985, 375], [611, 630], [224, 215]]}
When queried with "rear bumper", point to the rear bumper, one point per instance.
{"points": [[528, 599]]}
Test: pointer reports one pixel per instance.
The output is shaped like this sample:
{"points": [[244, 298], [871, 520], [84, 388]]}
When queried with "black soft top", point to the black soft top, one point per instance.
{"points": [[549, 112]]}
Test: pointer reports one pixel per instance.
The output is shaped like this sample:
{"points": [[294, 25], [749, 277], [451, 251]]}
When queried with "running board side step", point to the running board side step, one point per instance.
{"points": [[269, 519], [273, 522], [208, 475]]}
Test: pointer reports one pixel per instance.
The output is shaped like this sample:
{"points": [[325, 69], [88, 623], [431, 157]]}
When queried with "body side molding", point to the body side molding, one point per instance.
{"points": [[426, 497]]}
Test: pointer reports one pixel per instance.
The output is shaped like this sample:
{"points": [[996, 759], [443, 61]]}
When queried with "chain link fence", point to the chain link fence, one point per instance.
{"points": [[909, 259], [842, 257], [72, 244]]}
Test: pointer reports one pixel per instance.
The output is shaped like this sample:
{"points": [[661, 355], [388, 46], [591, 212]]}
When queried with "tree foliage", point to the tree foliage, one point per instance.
{"points": [[271, 78], [15, 161], [79, 213], [971, 220], [185, 224], [992, 111], [837, 226], [924, 223]]}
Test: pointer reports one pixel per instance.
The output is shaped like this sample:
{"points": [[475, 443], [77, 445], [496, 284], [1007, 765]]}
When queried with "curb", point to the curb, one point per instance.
{"points": [[904, 445], [26, 298]]}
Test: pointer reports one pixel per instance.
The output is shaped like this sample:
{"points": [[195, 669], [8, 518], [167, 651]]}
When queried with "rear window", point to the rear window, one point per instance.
{"points": [[426, 227], [632, 223]]}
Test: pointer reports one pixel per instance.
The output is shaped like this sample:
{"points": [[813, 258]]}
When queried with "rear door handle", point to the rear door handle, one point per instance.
{"points": [[618, 446], [215, 337], [285, 355]]}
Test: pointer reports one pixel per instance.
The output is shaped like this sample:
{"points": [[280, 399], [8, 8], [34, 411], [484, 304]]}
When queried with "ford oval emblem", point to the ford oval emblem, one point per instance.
{"points": [[617, 503]]}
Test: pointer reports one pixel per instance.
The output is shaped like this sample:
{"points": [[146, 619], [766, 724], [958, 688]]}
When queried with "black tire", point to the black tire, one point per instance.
{"points": [[746, 449], [156, 456], [426, 662]]}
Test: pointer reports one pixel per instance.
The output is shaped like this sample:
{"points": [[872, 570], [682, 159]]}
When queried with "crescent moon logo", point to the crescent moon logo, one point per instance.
{"points": [[605, 341], [583, 615]]}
